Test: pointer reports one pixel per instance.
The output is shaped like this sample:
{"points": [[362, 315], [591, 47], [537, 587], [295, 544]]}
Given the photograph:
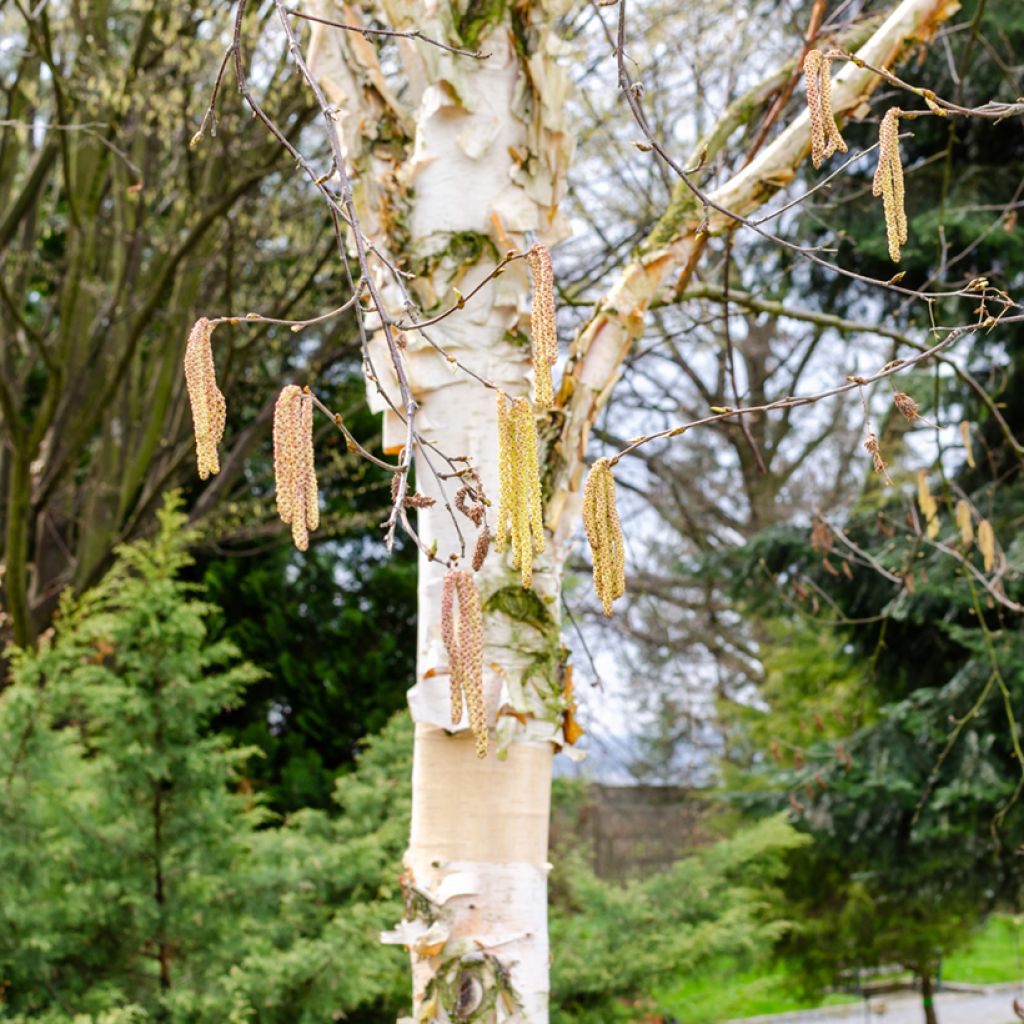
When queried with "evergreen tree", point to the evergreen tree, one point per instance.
{"points": [[122, 823]]}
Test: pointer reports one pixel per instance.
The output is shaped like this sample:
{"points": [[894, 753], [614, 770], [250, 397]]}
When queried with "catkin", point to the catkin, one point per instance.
{"points": [[906, 406], [888, 182], [294, 470], [209, 410], [520, 523], [965, 523], [463, 637], [601, 521], [448, 638], [929, 507], [825, 136], [543, 332], [483, 545], [987, 544], [875, 451]]}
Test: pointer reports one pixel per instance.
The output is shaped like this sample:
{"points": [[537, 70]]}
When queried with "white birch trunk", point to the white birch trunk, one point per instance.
{"points": [[476, 867], [488, 147]]}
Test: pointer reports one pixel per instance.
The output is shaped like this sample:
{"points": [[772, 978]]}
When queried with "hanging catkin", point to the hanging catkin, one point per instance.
{"points": [[294, 471], [520, 522], [209, 410], [888, 182], [463, 636], [987, 544], [448, 638], [825, 136], [604, 532], [875, 451], [965, 522], [543, 333], [927, 504]]}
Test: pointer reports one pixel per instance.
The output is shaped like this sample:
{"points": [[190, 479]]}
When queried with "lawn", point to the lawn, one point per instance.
{"points": [[728, 991], [994, 955]]}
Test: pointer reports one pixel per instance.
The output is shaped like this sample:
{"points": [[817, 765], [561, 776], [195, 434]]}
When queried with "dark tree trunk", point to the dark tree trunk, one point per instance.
{"points": [[928, 996]]}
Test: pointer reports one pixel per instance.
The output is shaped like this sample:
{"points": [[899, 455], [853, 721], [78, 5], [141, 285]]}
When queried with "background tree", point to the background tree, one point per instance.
{"points": [[109, 765], [113, 233], [335, 646]]}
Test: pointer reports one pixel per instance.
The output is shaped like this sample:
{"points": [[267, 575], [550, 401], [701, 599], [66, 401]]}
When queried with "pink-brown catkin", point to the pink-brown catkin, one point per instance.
{"points": [[462, 631]]}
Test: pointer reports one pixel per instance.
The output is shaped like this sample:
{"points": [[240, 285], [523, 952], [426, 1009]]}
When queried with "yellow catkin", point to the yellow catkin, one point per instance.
{"points": [[294, 469], [888, 182], [927, 504], [965, 523], [825, 136], [209, 410], [543, 331], [604, 532], [987, 544], [965, 435], [520, 523]]}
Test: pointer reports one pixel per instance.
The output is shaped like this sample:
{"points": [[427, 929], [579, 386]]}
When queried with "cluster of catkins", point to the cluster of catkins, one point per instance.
{"points": [[888, 182], [519, 527], [825, 136], [929, 507], [826, 140], [520, 523], [294, 472]]}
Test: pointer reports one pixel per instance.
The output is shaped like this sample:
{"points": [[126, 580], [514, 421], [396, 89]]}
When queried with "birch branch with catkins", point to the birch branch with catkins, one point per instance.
{"points": [[209, 410], [604, 531], [543, 330], [888, 182], [520, 518], [294, 469], [463, 637], [825, 136]]}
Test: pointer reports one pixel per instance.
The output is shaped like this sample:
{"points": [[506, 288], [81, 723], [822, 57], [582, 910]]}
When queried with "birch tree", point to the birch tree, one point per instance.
{"points": [[450, 153]]}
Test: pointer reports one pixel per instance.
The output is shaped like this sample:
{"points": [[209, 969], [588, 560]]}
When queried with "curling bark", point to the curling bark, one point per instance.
{"points": [[471, 161]]}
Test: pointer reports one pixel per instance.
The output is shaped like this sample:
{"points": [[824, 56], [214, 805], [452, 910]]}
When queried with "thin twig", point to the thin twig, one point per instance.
{"points": [[416, 34]]}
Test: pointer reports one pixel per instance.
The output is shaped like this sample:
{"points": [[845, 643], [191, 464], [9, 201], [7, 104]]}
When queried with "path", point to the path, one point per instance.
{"points": [[993, 1006]]}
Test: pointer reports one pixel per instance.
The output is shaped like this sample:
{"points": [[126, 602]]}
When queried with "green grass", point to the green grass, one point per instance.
{"points": [[725, 990], [994, 955]]}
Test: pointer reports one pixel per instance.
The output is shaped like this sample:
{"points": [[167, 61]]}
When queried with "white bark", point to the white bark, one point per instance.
{"points": [[477, 861]]}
